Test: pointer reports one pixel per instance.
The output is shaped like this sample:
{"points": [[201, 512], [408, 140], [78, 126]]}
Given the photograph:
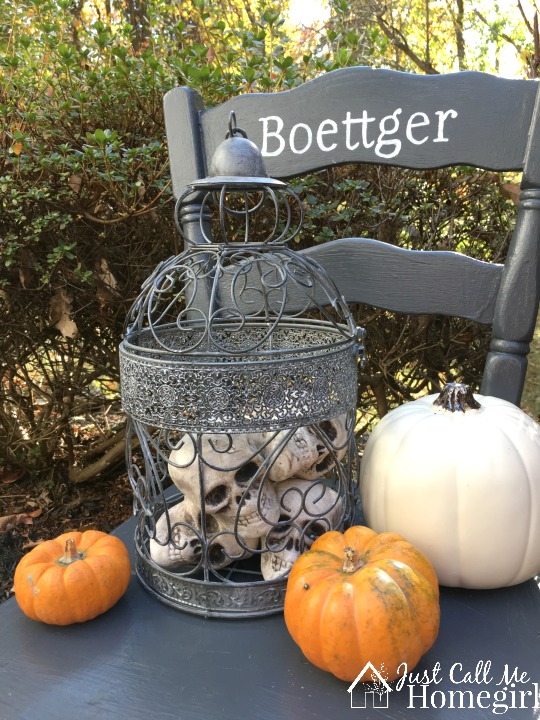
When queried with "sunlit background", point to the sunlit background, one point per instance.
{"points": [[314, 13], [308, 13]]}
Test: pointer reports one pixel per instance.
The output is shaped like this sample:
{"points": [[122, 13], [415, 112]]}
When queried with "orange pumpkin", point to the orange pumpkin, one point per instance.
{"points": [[361, 597], [73, 578]]}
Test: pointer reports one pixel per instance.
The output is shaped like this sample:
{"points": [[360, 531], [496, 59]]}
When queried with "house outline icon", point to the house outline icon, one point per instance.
{"points": [[378, 700]]}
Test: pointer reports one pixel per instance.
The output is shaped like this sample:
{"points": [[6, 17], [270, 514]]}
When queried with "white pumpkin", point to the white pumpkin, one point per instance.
{"points": [[459, 479]]}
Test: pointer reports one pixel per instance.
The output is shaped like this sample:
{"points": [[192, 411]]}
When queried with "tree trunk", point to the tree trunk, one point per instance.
{"points": [[458, 29], [138, 18]]}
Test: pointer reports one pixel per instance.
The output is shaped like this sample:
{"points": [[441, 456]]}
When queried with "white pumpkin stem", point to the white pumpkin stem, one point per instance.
{"points": [[71, 554], [348, 564], [457, 397]]}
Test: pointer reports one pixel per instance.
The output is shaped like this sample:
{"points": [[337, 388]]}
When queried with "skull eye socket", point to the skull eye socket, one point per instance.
{"points": [[216, 554], [246, 473], [281, 529], [314, 530], [329, 430], [217, 496], [326, 464]]}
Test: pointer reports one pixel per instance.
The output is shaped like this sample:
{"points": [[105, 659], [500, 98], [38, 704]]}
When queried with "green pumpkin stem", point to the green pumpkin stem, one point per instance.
{"points": [[71, 554], [456, 397], [348, 564]]}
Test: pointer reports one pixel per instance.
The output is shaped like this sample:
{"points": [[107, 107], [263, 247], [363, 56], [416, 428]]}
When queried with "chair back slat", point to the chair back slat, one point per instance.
{"points": [[388, 277], [383, 117]]}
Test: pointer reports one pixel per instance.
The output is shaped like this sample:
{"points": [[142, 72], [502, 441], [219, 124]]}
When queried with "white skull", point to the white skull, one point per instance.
{"points": [[288, 455], [234, 488], [307, 510], [309, 453], [184, 544]]}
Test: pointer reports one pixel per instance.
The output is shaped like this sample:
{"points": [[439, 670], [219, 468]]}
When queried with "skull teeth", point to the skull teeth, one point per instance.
{"points": [[281, 565], [246, 520]]}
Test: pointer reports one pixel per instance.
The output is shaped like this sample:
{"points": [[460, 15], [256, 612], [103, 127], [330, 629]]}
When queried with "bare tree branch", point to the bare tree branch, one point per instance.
{"points": [[400, 42], [111, 457], [525, 18], [250, 13], [458, 22], [496, 33], [536, 39]]}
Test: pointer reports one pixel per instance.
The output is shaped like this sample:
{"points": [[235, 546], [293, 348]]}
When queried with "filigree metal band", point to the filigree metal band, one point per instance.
{"points": [[239, 397]]}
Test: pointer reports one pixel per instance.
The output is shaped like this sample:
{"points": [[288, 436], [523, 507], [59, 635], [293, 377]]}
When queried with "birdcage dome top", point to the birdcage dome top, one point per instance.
{"points": [[238, 331], [264, 331]]}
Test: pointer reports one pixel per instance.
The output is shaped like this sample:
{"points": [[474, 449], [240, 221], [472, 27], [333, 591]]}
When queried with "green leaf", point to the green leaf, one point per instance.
{"points": [[100, 137]]}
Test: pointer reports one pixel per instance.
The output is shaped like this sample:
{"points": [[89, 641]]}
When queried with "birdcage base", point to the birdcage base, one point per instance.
{"points": [[236, 597]]}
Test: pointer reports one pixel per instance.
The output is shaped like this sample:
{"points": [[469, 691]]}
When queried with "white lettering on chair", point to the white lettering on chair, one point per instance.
{"points": [[292, 139], [443, 114], [412, 124], [321, 131], [274, 134], [393, 132], [364, 120], [387, 131]]}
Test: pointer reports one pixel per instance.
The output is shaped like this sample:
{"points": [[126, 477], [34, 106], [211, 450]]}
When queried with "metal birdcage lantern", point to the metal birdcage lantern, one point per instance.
{"points": [[239, 378]]}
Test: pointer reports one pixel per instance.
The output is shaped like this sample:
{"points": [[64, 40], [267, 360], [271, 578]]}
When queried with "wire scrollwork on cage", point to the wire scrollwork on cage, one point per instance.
{"points": [[239, 378]]}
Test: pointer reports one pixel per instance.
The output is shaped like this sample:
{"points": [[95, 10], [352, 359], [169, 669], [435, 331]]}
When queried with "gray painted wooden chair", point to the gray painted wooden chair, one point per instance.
{"points": [[143, 659], [413, 121]]}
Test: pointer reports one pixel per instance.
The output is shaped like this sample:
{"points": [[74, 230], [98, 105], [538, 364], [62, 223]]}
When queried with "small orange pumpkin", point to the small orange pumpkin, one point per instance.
{"points": [[362, 597], [73, 578]]}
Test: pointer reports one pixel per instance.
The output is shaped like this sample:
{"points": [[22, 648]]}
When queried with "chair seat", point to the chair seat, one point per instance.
{"points": [[143, 659]]}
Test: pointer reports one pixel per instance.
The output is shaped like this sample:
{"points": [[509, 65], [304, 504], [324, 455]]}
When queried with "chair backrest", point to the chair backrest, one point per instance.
{"points": [[391, 118]]}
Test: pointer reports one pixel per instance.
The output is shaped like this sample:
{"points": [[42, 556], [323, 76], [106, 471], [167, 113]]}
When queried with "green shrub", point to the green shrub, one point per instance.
{"points": [[86, 205]]}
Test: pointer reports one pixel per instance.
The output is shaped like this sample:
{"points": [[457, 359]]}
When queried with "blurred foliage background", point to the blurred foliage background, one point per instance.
{"points": [[86, 203]]}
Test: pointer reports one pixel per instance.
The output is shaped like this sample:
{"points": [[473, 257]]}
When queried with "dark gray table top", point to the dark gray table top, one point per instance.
{"points": [[144, 659]]}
